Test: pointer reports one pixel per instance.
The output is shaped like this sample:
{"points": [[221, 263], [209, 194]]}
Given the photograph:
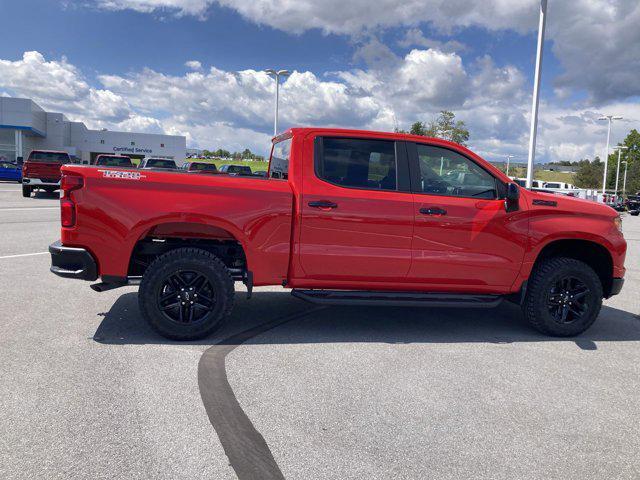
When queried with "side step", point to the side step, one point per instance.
{"points": [[405, 299]]}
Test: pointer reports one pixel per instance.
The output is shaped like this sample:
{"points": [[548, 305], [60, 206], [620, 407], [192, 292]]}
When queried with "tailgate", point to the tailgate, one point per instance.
{"points": [[47, 170]]}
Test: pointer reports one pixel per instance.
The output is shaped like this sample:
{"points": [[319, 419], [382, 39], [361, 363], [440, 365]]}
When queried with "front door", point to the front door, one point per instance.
{"points": [[463, 238], [357, 212]]}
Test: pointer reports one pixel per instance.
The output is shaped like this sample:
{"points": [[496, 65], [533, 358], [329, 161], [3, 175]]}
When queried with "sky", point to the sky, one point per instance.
{"points": [[196, 67]]}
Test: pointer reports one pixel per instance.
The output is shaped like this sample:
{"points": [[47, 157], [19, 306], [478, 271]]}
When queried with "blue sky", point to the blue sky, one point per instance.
{"points": [[372, 65]]}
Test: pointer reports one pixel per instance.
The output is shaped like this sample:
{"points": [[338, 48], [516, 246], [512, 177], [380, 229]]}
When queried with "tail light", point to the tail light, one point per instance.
{"points": [[69, 183]]}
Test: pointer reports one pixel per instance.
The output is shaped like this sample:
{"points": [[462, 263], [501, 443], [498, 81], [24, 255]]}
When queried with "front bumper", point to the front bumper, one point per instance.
{"points": [[72, 262], [616, 286]]}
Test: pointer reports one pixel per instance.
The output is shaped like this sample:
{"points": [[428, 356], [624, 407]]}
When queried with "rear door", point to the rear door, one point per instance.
{"points": [[463, 238], [356, 212]]}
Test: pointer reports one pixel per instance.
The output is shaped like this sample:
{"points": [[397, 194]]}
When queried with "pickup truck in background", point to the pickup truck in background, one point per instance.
{"points": [[343, 217], [42, 171], [161, 163]]}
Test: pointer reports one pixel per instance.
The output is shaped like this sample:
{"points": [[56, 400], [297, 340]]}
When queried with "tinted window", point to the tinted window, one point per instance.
{"points": [[279, 163], [552, 185], [239, 169], [358, 163], [157, 163], [114, 162], [445, 172], [53, 157], [202, 166]]}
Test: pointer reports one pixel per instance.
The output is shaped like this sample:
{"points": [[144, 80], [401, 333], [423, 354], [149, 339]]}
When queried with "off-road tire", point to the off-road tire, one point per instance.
{"points": [[546, 274], [26, 191], [181, 260]]}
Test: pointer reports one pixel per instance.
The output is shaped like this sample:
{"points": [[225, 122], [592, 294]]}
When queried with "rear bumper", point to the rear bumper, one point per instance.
{"points": [[72, 262], [48, 182], [616, 286]]}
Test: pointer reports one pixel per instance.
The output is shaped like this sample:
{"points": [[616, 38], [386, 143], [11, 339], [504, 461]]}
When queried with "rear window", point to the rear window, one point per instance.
{"points": [[239, 169], [279, 163], [114, 162], [552, 185], [202, 166], [53, 157], [161, 163]]}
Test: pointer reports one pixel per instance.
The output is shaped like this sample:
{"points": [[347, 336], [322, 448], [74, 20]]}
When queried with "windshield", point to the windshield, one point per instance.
{"points": [[53, 157], [114, 162]]}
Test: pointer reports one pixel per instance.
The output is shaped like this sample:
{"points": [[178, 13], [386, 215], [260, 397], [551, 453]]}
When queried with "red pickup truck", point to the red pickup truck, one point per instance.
{"points": [[42, 170], [343, 217]]}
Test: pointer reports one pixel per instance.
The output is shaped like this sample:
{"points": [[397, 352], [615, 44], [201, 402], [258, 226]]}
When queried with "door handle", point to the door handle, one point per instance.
{"points": [[323, 204], [433, 211]]}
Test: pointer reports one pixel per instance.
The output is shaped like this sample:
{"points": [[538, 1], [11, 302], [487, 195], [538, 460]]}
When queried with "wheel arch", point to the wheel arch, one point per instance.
{"points": [[590, 251]]}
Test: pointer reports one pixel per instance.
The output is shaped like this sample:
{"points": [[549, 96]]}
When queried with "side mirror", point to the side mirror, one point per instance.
{"points": [[512, 199]]}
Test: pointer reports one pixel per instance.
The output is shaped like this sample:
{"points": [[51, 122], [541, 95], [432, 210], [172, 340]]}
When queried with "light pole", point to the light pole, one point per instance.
{"points": [[536, 91], [276, 74], [624, 182], [509, 157], [609, 118], [620, 148]]}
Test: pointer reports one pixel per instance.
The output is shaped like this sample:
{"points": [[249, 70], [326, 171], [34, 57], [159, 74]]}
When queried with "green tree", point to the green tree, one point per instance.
{"points": [[631, 155], [418, 129], [447, 127], [589, 174]]}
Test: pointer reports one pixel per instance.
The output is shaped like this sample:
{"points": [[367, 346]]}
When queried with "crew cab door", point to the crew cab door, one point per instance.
{"points": [[356, 212], [464, 239]]}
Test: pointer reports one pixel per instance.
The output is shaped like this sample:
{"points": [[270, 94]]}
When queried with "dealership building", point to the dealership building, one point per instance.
{"points": [[25, 126]]}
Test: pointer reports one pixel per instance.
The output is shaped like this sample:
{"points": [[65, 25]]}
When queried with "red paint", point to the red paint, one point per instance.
{"points": [[373, 240]]}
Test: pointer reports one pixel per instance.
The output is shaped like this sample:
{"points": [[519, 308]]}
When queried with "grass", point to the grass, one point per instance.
{"points": [[255, 166], [545, 176]]}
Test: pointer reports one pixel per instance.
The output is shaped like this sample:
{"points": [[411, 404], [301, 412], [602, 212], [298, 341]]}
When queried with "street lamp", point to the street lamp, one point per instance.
{"points": [[609, 118], [276, 74], [509, 157], [620, 148], [536, 90]]}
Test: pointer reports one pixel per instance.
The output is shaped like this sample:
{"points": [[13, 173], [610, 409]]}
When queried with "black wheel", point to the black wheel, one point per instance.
{"points": [[635, 213], [186, 294], [564, 297], [26, 191]]}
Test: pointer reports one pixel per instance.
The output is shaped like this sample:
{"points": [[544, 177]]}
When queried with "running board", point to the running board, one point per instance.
{"points": [[404, 299]]}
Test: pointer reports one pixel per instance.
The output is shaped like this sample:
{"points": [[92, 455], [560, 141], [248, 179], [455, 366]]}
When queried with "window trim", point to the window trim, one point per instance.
{"points": [[414, 167], [402, 163]]}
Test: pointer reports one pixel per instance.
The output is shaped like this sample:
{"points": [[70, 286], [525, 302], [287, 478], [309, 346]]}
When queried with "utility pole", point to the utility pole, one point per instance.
{"points": [[509, 157], [276, 74], [620, 148], [609, 118], [624, 182], [536, 91]]}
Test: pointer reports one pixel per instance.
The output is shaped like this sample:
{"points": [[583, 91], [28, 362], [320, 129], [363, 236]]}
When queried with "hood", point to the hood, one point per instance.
{"points": [[541, 200]]}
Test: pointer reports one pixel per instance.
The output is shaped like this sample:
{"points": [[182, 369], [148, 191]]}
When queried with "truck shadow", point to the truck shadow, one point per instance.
{"points": [[123, 324]]}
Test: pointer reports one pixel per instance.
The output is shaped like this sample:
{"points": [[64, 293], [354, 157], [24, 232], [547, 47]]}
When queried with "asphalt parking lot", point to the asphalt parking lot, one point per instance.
{"points": [[290, 390]]}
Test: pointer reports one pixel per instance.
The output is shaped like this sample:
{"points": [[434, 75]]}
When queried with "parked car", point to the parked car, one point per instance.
{"points": [[161, 163], [523, 182], [42, 171], [10, 171], [236, 170], [376, 220], [202, 167], [633, 204], [120, 161]]}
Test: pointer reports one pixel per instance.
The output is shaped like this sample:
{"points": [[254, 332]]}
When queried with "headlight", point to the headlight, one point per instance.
{"points": [[617, 221]]}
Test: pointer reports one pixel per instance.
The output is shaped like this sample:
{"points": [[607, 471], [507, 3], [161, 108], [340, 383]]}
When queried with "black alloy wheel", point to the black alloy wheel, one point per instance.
{"points": [[568, 300], [186, 297]]}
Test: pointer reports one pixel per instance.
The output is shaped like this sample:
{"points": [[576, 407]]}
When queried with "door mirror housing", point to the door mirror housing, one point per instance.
{"points": [[512, 198]]}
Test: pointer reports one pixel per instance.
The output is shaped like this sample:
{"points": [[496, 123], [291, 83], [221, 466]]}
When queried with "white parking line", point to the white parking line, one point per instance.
{"points": [[24, 255], [27, 208]]}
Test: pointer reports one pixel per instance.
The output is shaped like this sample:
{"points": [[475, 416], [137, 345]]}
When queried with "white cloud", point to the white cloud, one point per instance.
{"points": [[234, 110], [193, 65]]}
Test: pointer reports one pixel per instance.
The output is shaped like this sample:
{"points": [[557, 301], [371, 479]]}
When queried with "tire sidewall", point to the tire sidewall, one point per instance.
{"points": [[195, 260], [585, 274]]}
